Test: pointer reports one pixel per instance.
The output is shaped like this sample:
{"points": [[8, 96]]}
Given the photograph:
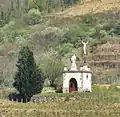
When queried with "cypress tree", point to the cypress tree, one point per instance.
{"points": [[28, 78], [11, 5], [2, 14]]}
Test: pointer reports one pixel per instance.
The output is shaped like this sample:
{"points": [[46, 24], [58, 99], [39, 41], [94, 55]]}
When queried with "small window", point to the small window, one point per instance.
{"points": [[87, 76]]}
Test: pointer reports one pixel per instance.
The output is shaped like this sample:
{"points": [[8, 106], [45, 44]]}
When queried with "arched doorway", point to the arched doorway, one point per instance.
{"points": [[73, 85]]}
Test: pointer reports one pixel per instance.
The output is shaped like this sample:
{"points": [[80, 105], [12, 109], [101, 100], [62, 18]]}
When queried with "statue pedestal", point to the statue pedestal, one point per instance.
{"points": [[73, 67]]}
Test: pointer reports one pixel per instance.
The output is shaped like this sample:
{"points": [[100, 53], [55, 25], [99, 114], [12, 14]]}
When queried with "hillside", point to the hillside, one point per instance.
{"points": [[93, 6], [53, 36], [57, 34]]}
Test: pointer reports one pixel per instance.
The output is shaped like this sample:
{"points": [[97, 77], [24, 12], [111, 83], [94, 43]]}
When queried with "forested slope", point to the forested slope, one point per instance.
{"points": [[53, 33]]}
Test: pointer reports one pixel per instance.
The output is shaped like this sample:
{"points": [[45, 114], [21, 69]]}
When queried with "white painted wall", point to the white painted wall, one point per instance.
{"points": [[87, 82], [83, 82]]}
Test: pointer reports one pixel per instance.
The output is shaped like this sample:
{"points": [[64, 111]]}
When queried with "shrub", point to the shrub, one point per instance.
{"points": [[33, 17], [64, 49], [67, 98], [98, 88], [4, 92], [70, 2], [14, 35], [1, 23], [79, 30], [90, 19], [112, 28], [46, 82], [114, 87]]}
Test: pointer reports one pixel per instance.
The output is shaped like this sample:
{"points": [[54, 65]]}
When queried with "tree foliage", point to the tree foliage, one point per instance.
{"points": [[33, 17], [52, 67], [28, 78], [4, 17], [53, 70], [64, 49]]}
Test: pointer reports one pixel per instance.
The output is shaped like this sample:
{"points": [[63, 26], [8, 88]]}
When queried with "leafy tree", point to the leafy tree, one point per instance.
{"points": [[38, 4], [54, 70], [4, 17], [28, 78], [52, 67]]}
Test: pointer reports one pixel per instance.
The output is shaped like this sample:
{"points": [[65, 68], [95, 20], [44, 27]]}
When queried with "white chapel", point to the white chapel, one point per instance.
{"points": [[77, 80]]}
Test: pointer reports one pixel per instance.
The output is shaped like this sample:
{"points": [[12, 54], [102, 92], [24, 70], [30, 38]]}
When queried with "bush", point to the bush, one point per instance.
{"points": [[64, 49], [67, 98], [70, 2], [98, 88], [79, 30], [114, 87], [4, 92], [2, 23], [91, 19], [112, 28], [14, 35], [33, 17]]}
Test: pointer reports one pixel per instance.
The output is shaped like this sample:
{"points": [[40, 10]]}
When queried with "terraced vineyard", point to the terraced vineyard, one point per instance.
{"points": [[85, 105]]}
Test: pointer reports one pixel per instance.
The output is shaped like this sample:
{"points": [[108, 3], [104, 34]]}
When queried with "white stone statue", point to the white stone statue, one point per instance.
{"points": [[73, 60], [84, 47]]}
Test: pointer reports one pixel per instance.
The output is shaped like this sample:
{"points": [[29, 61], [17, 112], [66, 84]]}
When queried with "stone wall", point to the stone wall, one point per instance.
{"points": [[105, 62]]}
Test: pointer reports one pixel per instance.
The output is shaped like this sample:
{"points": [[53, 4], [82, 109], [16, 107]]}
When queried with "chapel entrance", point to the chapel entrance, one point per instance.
{"points": [[72, 85]]}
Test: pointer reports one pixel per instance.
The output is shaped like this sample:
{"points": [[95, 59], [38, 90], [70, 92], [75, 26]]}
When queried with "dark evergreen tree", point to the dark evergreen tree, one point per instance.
{"points": [[11, 5], [2, 14], [28, 78], [18, 4]]}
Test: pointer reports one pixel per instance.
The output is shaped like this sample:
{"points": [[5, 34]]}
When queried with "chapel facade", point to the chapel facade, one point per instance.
{"points": [[77, 80]]}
